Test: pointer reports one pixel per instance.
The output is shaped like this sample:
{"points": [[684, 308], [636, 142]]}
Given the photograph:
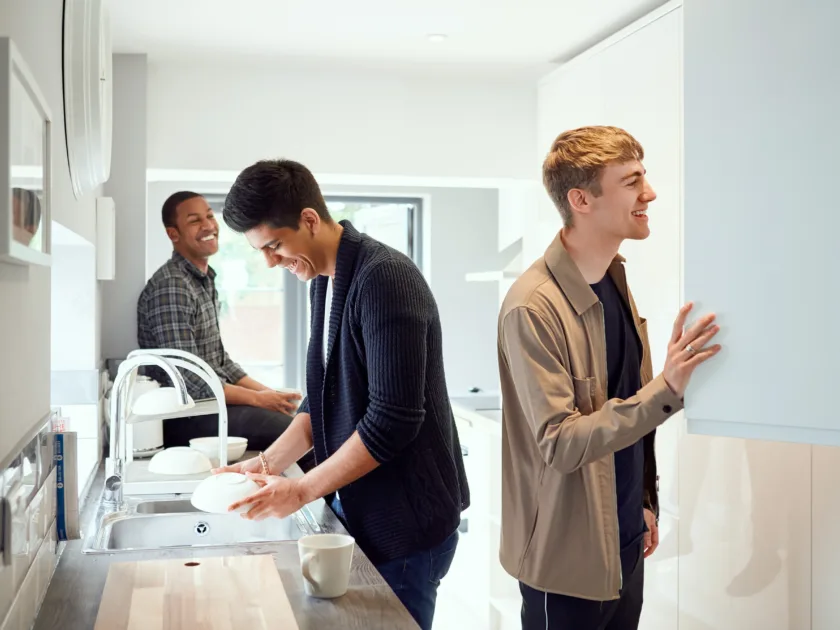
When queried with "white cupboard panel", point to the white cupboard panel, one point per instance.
{"points": [[761, 221]]}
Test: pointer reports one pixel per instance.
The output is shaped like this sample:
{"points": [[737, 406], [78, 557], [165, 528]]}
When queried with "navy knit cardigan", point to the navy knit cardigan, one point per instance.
{"points": [[385, 379]]}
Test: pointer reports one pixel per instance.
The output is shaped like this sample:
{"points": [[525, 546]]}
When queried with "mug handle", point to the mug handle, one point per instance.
{"points": [[304, 568]]}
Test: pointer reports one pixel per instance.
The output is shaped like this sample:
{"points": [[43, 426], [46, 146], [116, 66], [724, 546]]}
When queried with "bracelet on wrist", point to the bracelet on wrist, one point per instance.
{"points": [[265, 469]]}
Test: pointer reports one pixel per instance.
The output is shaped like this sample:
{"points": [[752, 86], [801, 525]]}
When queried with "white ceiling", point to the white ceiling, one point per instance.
{"points": [[509, 34]]}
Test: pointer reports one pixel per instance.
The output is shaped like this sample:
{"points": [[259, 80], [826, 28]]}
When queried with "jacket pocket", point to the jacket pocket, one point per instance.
{"points": [[584, 394]]}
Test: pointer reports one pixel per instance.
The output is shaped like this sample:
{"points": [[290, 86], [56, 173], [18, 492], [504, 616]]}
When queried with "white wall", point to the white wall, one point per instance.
{"points": [[74, 324], [461, 228], [223, 118], [748, 536], [127, 186], [35, 26]]}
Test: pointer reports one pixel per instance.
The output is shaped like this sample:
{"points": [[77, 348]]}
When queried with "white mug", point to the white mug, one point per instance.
{"points": [[325, 561], [286, 390]]}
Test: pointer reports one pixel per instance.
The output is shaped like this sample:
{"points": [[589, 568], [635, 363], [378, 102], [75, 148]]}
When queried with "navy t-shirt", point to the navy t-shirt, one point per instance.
{"points": [[624, 360]]}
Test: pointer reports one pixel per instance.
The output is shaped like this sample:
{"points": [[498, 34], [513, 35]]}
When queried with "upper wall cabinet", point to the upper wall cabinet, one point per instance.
{"points": [[762, 215], [25, 163], [87, 92]]}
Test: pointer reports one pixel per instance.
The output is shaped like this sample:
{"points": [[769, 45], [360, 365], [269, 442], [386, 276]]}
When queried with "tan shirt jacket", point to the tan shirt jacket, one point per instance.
{"points": [[559, 431]]}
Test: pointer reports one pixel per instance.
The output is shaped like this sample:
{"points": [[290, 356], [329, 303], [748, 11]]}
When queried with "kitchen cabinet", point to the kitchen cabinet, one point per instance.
{"points": [[760, 215]]}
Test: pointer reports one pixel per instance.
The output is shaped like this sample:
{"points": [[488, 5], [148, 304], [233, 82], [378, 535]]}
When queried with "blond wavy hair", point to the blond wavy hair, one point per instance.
{"points": [[578, 157]]}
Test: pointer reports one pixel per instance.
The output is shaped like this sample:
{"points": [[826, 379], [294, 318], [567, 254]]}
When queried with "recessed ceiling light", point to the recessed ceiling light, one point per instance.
{"points": [[436, 38]]}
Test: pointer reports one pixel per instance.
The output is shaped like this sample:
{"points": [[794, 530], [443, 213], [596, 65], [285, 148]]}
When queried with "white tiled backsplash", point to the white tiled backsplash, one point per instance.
{"points": [[23, 583]]}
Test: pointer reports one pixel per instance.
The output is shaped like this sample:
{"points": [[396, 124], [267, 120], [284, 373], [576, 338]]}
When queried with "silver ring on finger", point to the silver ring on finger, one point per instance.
{"points": [[690, 349]]}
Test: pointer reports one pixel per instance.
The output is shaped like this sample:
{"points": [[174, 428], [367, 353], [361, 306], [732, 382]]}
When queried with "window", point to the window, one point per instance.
{"points": [[252, 299], [394, 221]]}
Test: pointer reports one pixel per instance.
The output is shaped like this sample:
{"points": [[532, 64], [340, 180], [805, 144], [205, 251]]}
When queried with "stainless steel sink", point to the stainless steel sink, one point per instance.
{"points": [[167, 506], [172, 522]]}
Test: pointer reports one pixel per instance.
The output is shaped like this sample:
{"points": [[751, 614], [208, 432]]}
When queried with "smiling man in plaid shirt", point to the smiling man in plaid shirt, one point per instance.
{"points": [[179, 309]]}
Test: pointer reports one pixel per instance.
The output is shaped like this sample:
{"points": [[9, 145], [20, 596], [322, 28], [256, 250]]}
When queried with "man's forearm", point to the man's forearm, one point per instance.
{"points": [[249, 383], [294, 443], [352, 461], [236, 395]]}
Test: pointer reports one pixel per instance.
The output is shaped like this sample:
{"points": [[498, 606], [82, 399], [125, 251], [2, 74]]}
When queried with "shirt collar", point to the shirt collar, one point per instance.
{"points": [[191, 268], [571, 280]]}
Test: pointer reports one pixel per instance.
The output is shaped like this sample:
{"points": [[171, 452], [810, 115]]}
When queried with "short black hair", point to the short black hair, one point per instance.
{"points": [[169, 213], [273, 192], [30, 202]]}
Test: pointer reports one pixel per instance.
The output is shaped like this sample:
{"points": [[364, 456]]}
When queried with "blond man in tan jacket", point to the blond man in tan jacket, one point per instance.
{"points": [[580, 401]]}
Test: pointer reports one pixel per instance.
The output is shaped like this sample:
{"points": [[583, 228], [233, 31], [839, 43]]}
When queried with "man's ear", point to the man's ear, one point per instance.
{"points": [[311, 220], [579, 201], [173, 234]]}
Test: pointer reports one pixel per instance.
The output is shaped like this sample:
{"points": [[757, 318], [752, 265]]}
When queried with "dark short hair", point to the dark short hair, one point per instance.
{"points": [[169, 213], [273, 192], [30, 202]]}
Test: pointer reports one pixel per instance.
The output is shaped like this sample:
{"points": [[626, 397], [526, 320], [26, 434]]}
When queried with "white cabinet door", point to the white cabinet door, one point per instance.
{"points": [[762, 215]]}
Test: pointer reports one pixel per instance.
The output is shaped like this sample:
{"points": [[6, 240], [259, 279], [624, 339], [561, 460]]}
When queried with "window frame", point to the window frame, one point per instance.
{"points": [[296, 311]]}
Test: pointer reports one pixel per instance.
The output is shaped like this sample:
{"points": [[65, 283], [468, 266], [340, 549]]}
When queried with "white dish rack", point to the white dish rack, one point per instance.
{"points": [[137, 478]]}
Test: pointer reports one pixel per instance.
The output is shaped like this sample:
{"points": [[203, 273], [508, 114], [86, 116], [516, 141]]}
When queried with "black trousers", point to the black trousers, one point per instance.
{"points": [[259, 426], [548, 611]]}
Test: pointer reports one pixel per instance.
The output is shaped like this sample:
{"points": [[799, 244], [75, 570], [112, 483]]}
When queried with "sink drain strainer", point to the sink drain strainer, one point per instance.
{"points": [[201, 528]]}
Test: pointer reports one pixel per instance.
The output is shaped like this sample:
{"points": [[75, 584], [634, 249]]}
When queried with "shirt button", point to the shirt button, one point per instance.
{"points": [[667, 409]]}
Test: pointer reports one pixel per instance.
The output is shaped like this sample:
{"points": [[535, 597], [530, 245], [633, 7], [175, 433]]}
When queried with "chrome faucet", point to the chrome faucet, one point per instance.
{"points": [[112, 495]]}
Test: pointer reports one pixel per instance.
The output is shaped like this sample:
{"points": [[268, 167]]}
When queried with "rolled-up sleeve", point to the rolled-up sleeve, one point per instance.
{"points": [[230, 371], [566, 437], [395, 311]]}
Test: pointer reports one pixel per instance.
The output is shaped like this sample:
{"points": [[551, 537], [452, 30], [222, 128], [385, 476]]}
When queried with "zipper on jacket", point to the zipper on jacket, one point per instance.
{"points": [[606, 376]]}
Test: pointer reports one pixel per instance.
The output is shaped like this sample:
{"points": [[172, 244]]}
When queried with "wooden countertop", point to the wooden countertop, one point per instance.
{"points": [[72, 601]]}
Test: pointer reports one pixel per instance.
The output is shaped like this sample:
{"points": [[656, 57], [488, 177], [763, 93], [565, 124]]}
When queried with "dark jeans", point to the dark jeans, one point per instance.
{"points": [[548, 611], [259, 426], [415, 578]]}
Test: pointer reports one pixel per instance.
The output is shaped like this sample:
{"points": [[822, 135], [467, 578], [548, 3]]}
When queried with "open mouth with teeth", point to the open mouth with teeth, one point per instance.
{"points": [[640, 214], [209, 237]]}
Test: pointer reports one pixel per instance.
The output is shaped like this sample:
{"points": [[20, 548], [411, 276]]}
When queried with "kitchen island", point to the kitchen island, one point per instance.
{"points": [[74, 594]]}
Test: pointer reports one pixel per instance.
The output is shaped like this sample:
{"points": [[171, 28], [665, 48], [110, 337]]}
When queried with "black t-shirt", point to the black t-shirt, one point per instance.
{"points": [[624, 360]]}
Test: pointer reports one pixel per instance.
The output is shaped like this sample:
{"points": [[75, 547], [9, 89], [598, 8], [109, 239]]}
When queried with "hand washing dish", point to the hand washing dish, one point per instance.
{"points": [[217, 492], [179, 460], [209, 446]]}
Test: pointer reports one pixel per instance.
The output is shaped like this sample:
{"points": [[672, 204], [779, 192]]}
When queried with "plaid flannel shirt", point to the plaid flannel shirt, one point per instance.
{"points": [[179, 308]]}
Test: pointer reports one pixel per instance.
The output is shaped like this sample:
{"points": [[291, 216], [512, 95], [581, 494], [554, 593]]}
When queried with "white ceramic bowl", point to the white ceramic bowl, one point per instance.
{"points": [[159, 401], [209, 446], [179, 460], [217, 492]]}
